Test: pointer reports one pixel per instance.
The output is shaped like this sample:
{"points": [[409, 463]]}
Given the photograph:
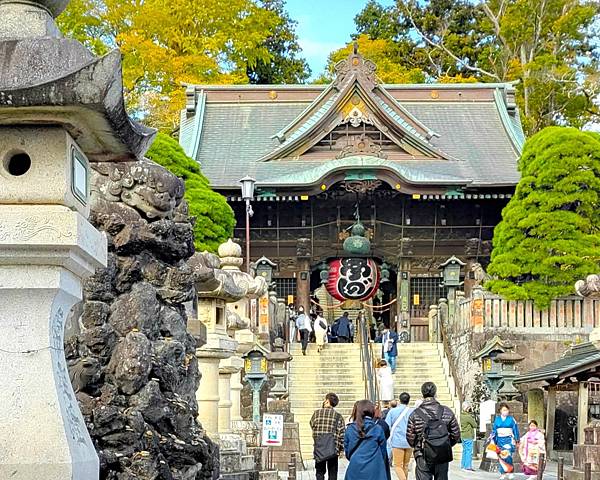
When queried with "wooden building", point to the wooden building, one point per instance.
{"points": [[428, 168]]}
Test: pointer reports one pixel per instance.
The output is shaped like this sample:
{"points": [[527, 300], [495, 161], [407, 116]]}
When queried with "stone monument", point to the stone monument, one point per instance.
{"points": [[60, 109]]}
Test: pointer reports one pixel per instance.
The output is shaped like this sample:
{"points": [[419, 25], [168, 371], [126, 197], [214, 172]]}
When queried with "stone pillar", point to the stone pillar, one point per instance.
{"points": [[236, 394], [582, 411], [535, 406], [208, 393], [47, 247], [434, 329], [225, 401], [219, 346]]}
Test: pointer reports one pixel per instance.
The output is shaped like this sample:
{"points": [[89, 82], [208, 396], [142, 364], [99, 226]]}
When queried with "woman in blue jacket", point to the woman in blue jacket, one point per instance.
{"points": [[365, 445]]}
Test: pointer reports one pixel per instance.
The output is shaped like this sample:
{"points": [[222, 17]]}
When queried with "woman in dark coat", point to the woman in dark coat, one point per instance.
{"points": [[365, 445]]}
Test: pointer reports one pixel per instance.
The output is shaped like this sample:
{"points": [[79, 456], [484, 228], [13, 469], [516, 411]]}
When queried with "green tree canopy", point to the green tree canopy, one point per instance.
{"points": [[165, 44], [214, 217], [550, 48], [284, 64], [549, 236]]}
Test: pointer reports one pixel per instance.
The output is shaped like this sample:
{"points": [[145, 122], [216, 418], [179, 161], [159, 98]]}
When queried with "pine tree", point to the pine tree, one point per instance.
{"points": [[214, 217], [549, 236], [285, 65]]}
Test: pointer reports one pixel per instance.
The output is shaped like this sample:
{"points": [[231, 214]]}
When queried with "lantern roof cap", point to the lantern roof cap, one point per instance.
{"points": [[257, 347], [494, 344], [266, 260], [451, 260]]}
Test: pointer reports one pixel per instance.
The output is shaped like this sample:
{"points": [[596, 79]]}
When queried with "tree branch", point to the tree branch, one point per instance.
{"points": [[442, 47]]}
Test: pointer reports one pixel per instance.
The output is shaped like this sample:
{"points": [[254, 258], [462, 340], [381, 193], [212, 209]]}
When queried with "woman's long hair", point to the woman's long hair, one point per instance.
{"points": [[362, 409]]}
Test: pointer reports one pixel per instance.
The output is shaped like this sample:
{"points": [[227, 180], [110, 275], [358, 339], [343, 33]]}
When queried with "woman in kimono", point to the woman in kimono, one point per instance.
{"points": [[532, 445], [505, 434], [386, 382], [365, 445]]}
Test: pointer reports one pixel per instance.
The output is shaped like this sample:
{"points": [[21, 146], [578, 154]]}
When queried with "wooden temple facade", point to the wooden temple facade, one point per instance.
{"points": [[426, 168]]}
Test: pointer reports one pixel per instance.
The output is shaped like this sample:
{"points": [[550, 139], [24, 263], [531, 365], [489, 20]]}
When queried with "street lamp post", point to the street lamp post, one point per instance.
{"points": [[248, 195]]}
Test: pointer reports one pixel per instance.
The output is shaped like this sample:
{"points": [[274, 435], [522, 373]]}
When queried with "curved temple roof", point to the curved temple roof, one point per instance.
{"points": [[294, 136]]}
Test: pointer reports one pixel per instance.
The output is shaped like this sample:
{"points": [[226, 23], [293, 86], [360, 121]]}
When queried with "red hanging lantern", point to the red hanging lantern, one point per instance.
{"points": [[353, 278]]}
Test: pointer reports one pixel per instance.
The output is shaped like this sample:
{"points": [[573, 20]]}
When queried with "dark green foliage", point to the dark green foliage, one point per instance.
{"points": [[549, 236], [285, 64], [214, 217]]}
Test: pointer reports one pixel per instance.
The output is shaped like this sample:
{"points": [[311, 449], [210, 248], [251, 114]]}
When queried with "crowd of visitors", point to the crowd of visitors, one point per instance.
{"points": [[375, 439]]}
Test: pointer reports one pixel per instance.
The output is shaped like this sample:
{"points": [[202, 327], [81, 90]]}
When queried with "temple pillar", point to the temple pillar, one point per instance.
{"points": [[303, 279], [550, 418]]}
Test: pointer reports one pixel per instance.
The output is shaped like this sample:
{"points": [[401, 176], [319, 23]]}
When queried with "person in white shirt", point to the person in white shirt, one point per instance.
{"points": [[320, 332], [386, 382], [303, 326]]}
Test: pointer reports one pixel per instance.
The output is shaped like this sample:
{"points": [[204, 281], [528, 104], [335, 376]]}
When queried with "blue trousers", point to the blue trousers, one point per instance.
{"points": [[391, 361], [466, 462]]}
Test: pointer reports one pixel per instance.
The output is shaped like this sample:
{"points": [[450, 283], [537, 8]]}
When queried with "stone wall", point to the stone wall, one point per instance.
{"points": [[132, 361], [538, 350]]}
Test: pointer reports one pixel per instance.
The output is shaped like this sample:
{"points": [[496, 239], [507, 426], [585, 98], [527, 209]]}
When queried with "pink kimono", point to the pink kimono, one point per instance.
{"points": [[532, 445]]}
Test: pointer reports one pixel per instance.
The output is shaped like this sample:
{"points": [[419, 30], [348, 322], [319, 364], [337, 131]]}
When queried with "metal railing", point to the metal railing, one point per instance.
{"points": [[368, 367]]}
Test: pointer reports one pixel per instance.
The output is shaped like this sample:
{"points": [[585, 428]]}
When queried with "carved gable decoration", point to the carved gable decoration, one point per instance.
{"points": [[355, 115], [361, 145]]}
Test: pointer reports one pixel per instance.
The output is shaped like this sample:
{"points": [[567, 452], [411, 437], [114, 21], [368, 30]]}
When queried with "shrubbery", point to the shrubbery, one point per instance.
{"points": [[549, 236], [214, 217]]}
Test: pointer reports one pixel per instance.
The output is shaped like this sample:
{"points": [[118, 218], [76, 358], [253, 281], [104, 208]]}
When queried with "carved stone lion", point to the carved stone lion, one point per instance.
{"points": [[144, 185], [480, 274]]}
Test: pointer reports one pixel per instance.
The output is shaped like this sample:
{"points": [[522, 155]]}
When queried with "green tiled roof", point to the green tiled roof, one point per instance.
{"points": [[481, 139], [580, 358]]}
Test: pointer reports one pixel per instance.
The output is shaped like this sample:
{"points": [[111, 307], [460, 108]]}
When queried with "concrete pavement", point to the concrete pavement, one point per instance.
{"points": [[455, 472]]}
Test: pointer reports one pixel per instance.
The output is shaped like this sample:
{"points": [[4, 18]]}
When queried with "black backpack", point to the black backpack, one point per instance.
{"points": [[436, 445]]}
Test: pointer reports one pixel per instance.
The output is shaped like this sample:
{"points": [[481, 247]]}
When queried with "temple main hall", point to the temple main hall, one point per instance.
{"points": [[426, 169]]}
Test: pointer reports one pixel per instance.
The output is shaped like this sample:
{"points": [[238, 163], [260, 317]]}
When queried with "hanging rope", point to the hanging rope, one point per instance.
{"points": [[363, 304], [333, 307], [374, 307]]}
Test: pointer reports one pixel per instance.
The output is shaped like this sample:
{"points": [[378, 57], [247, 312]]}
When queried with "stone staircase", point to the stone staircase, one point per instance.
{"points": [[338, 369], [421, 362]]}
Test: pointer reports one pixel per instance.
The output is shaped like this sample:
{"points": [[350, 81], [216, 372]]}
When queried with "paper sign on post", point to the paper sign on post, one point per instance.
{"points": [[272, 430]]}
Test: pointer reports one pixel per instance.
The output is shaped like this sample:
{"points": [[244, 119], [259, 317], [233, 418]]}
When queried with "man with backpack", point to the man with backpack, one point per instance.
{"points": [[432, 431]]}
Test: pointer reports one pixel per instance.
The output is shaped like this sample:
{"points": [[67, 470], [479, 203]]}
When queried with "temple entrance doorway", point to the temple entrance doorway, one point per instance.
{"points": [[424, 292]]}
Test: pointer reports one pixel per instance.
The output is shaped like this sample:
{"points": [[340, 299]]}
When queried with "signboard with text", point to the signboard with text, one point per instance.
{"points": [[272, 430]]}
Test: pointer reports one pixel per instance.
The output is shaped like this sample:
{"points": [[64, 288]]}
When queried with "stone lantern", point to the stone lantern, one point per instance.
{"points": [[492, 370], [264, 268], [508, 362], [451, 275], [255, 369], [278, 359], [61, 109]]}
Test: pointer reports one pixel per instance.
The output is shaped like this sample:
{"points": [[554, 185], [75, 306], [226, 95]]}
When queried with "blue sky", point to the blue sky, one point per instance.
{"points": [[323, 26]]}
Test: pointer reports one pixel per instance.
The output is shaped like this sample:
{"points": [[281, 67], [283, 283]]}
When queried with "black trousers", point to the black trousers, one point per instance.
{"points": [[343, 340], [330, 466], [424, 471], [304, 339]]}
